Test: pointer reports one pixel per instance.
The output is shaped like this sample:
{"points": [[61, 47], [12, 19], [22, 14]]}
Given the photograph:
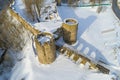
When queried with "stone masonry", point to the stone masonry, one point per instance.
{"points": [[12, 33], [70, 27], [46, 51]]}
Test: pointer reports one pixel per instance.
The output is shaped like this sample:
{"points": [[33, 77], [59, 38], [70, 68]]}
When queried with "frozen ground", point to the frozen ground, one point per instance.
{"points": [[90, 40]]}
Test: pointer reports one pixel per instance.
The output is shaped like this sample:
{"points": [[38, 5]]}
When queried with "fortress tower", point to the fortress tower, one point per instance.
{"points": [[70, 27], [45, 48]]}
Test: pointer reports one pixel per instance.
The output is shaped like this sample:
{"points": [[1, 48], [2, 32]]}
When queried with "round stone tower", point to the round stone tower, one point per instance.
{"points": [[70, 27], [45, 47]]}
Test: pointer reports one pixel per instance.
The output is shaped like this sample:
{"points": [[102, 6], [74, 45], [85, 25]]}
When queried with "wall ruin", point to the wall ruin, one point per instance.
{"points": [[15, 32], [12, 34]]}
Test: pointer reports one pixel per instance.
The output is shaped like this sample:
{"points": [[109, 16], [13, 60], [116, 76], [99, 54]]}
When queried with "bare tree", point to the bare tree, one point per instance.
{"points": [[99, 1], [38, 5], [93, 2]]}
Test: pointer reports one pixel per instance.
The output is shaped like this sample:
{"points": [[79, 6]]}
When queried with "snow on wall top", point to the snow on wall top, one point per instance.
{"points": [[43, 39], [70, 21]]}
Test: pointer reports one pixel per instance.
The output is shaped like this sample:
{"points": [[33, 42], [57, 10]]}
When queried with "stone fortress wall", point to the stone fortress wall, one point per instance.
{"points": [[20, 33], [46, 52], [27, 25], [13, 34], [17, 34]]}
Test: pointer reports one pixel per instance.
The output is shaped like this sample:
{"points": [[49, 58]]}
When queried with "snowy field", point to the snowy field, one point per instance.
{"points": [[92, 40]]}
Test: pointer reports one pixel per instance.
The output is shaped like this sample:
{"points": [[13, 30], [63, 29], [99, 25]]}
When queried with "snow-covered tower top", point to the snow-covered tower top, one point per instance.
{"points": [[70, 27]]}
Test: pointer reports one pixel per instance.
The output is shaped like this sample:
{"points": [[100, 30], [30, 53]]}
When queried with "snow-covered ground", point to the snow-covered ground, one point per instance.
{"points": [[48, 11], [91, 40], [50, 26], [30, 69]]}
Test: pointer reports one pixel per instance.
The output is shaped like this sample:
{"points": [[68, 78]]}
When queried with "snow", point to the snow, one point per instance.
{"points": [[90, 41], [98, 39], [70, 21], [30, 69], [43, 39], [50, 26], [91, 25], [20, 8], [48, 2], [48, 11]]}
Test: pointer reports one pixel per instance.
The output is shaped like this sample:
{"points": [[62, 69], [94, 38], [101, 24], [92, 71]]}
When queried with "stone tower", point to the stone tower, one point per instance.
{"points": [[45, 48], [70, 27]]}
